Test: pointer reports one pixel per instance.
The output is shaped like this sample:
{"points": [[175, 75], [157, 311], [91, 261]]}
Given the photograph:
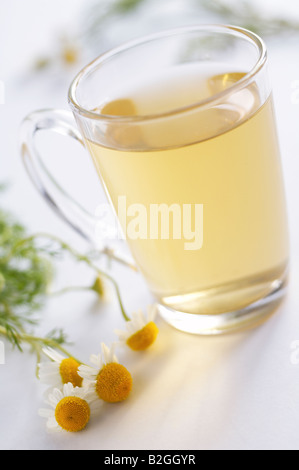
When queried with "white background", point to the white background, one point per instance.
{"points": [[233, 392]]}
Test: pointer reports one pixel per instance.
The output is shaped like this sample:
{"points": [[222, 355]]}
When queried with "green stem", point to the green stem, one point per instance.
{"points": [[31, 339], [79, 257], [50, 343], [65, 290], [37, 343]]}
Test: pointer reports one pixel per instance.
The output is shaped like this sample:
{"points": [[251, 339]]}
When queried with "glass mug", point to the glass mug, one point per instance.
{"points": [[181, 128]]}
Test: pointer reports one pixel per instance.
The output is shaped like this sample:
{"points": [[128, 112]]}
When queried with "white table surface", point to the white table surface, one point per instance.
{"points": [[238, 391]]}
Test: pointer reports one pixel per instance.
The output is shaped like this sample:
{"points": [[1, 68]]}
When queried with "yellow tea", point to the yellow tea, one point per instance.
{"points": [[222, 157]]}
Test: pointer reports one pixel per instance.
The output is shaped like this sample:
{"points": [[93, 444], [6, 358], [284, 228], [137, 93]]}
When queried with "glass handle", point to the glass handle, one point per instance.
{"points": [[69, 210]]}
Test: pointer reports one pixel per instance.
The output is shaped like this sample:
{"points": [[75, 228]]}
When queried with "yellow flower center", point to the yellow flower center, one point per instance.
{"points": [[72, 414], [69, 372], [98, 287], [114, 383], [70, 54], [142, 339]]}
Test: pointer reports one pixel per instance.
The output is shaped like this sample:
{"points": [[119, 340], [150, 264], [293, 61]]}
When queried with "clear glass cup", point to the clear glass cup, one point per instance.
{"points": [[181, 128]]}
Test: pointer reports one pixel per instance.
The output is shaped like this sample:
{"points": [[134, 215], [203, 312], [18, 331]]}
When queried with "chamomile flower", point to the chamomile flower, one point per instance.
{"points": [[70, 409], [109, 380], [60, 370], [141, 332]]}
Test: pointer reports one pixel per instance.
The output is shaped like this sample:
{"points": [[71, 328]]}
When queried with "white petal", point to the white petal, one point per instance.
{"points": [[96, 360], [136, 320], [49, 367], [68, 390], [113, 357], [50, 400], [52, 354], [53, 426], [87, 393], [55, 396], [49, 375], [132, 328], [152, 312], [96, 406], [54, 381], [89, 383], [87, 372], [143, 319], [122, 335], [45, 413], [82, 392], [105, 353]]}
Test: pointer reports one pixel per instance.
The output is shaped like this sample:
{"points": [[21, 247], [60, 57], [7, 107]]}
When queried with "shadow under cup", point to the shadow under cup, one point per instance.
{"points": [[181, 129]]}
